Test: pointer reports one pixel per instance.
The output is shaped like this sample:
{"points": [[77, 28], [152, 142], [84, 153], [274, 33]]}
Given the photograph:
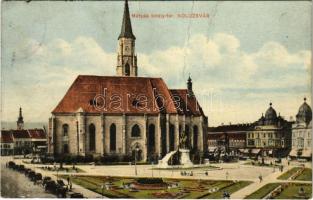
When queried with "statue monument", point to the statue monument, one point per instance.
{"points": [[184, 157], [184, 151]]}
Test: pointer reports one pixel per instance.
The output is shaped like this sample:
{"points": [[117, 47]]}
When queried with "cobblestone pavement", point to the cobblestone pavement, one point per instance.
{"points": [[26, 188], [16, 185]]}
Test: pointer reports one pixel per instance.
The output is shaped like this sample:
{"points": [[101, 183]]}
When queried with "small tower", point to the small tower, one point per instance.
{"points": [[20, 121], [189, 86], [126, 57]]}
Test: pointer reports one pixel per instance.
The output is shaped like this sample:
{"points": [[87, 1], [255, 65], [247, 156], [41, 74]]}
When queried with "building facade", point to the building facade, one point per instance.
{"points": [[23, 141], [230, 139], [302, 133], [7, 144], [271, 134], [116, 115]]}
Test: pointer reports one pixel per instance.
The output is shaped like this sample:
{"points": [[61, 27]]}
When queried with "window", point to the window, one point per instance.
{"points": [[135, 131], [127, 69], [65, 148], [65, 129], [172, 137], [195, 137], [112, 137], [151, 138], [92, 137]]}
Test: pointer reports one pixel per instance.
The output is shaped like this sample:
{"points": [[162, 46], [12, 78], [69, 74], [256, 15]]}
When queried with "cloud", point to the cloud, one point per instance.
{"points": [[40, 74]]}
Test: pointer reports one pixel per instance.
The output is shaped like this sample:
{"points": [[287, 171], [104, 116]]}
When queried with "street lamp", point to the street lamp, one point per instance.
{"points": [[136, 151]]}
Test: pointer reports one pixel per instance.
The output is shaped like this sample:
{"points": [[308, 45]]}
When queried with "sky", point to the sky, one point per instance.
{"points": [[242, 57]]}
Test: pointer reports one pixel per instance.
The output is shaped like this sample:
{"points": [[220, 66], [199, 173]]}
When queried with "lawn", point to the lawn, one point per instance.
{"points": [[306, 175], [291, 192], [263, 191], [230, 189], [188, 189]]}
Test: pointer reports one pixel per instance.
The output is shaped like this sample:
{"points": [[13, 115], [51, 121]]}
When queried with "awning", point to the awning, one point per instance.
{"points": [[241, 150], [246, 151], [255, 151], [41, 147], [270, 152], [293, 152]]}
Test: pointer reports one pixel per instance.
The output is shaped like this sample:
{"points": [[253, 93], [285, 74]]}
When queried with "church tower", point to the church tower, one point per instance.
{"points": [[20, 121], [126, 57]]}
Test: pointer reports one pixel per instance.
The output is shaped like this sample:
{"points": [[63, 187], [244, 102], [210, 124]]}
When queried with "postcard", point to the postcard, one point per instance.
{"points": [[148, 99]]}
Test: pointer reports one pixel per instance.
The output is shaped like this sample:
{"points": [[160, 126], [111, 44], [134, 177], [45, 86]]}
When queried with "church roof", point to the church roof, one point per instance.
{"points": [[126, 31], [120, 94], [188, 104]]}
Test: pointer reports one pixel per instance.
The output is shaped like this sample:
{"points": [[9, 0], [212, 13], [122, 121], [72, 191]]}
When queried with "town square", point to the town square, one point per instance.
{"points": [[211, 116]]}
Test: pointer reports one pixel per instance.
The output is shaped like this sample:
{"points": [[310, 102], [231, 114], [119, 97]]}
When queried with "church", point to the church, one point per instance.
{"points": [[125, 114]]}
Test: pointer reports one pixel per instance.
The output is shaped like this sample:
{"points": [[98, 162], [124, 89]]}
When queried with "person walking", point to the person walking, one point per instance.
{"points": [[260, 177]]}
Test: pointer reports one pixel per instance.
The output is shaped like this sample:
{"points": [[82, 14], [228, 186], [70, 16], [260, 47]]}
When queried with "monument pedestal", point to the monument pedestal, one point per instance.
{"points": [[185, 158]]}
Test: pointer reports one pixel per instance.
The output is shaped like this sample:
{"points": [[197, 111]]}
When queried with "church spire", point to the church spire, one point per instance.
{"points": [[20, 121], [126, 31], [126, 57], [189, 86]]}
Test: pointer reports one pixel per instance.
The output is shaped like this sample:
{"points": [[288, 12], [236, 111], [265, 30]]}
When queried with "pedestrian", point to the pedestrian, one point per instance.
{"points": [[260, 177], [68, 180], [227, 175]]}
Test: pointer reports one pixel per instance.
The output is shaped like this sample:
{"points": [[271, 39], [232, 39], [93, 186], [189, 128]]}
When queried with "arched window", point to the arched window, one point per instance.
{"points": [[65, 129], [195, 137], [135, 131], [92, 137], [65, 148], [151, 139], [187, 132], [172, 137], [112, 137], [127, 69]]}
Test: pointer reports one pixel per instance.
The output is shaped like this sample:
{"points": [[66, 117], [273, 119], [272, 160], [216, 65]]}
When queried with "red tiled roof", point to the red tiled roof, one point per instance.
{"points": [[6, 136], [37, 133], [121, 95], [20, 134], [187, 105]]}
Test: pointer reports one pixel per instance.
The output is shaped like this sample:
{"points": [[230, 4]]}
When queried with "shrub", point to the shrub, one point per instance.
{"points": [[150, 181]]}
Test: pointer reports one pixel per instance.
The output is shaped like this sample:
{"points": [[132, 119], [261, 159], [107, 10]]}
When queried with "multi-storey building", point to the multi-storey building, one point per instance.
{"points": [[270, 135], [302, 133], [230, 139]]}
